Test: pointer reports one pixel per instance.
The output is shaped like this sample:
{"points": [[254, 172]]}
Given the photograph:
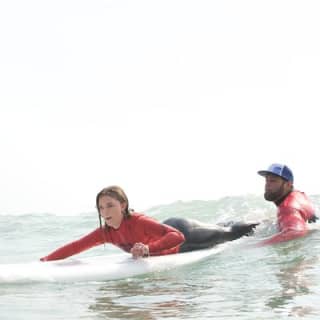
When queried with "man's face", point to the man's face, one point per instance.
{"points": [[275, 188]]}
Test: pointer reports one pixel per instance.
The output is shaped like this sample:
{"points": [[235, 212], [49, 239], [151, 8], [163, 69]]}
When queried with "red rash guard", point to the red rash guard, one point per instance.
{"points": [[293, 213], [160, 238]]}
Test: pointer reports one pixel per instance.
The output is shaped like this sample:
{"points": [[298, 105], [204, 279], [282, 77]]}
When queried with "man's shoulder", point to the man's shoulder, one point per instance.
{"points": [[295, 199]]}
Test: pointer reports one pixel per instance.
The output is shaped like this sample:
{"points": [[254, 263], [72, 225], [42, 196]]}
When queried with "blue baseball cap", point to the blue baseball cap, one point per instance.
{"points": [[279, 170]]}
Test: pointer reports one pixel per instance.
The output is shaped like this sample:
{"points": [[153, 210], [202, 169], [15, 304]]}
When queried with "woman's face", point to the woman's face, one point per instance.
{"points": [[111, 210]]}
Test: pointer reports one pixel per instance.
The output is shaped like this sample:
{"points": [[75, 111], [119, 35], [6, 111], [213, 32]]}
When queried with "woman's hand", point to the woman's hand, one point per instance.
{"points": [[139, 250]]}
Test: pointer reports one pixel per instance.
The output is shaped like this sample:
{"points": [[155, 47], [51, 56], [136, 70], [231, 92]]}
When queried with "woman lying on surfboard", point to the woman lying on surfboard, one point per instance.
{"points": [[143, 236]]}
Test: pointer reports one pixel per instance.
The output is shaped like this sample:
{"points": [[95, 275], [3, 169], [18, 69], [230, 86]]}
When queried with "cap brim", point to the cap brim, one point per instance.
{"points": [[264, 172]]}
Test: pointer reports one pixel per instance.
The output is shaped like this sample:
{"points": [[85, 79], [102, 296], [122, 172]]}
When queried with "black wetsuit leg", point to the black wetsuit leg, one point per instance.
{"points": [[199, 236]]}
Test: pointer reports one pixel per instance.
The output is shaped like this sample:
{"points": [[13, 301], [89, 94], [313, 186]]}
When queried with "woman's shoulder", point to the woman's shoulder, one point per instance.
{"points": [[137, 217]]}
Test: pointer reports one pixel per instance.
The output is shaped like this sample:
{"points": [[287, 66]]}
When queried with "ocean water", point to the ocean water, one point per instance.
{"points": [[240, 282]]}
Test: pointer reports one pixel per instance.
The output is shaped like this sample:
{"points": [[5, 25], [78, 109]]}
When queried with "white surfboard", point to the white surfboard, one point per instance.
{"points": [[100, 268]]}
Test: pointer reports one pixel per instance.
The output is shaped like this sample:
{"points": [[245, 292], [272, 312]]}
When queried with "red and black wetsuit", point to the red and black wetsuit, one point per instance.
{"points": [[173, 236], [293, 214], [161, 239]]}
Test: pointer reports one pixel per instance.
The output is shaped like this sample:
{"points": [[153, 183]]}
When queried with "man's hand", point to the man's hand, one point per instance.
{"points": [[314, 218]]}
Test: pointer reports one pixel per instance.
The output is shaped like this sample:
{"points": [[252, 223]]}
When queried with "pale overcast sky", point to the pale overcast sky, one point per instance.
{"points": [[172, 100]]}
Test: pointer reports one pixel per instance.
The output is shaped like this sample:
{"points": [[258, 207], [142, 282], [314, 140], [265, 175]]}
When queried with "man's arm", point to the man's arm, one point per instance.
{"points": [[283, 236], [291, 226]]}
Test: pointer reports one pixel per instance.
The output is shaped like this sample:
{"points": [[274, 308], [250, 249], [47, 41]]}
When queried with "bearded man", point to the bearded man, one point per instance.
{"points": [[294, 209]]}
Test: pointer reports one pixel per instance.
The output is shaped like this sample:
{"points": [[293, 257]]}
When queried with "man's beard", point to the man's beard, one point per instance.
{"points": [[275, 195]]}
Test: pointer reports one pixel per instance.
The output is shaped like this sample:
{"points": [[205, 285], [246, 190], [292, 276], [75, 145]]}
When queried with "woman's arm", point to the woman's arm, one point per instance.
{"points": [[165, 237], [92, 239]]}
